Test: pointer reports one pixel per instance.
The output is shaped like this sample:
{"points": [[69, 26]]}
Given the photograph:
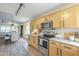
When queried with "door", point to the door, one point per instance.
{"points": [[56, 18], [70, 17], [21, 34], [53, 50], [43, 43], [31, 40], [35, 42], [66, 52]]}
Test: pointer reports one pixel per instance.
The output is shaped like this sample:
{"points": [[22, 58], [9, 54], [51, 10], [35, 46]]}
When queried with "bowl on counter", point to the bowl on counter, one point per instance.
{"points": [[77, 39], [59, 36], [72, 38]]}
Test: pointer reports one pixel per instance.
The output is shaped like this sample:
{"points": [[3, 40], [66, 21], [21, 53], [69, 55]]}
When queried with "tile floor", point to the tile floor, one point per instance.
{"points": [[18, 48]]}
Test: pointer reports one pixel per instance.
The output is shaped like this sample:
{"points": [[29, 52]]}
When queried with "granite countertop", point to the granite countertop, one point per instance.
{"points": [[65, 41]]}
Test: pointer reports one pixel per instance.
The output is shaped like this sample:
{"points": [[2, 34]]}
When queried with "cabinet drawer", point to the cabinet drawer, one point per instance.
{"points": [[69, 47], [54, 43]]}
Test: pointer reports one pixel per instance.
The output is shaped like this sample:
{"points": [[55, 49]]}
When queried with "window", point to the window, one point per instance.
{"points": [[4, 28], [7, 29]]}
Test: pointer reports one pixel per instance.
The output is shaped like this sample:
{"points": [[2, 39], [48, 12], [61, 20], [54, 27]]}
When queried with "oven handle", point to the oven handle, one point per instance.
{"points": [[44, 39]]}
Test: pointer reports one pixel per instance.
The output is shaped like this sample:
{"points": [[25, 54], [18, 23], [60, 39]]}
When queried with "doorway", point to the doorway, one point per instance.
{"points": [[21, 34]]}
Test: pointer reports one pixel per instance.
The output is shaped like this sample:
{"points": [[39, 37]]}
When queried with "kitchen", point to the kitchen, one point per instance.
{"points": [[52, 30], [57, 33]]}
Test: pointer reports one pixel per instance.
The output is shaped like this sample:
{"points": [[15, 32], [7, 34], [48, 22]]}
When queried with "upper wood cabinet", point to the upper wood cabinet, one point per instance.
{"points": [[66, 18], [56, 18], [36, 24], [69, 17], [47, 18], [77, 16]]}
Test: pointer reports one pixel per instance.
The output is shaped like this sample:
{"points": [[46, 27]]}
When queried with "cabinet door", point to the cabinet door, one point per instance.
{"points": [[66, 52], [57, 17], [53, 50], [47, 18], [78, 52], [38, 23], [31, 26], [36, 43], [70, 17], [31, 41]]}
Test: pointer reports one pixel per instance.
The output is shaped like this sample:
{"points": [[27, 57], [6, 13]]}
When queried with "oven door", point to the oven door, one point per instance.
{"points": [[43, 43], [43, 46]]}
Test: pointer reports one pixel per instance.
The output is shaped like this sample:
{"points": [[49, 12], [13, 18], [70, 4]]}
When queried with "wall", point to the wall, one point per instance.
{"points": [[26, 30]]}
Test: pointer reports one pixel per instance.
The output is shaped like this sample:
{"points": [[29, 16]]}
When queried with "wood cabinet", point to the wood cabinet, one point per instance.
{"points": [[61, 49], [56, 18], [47, 18], [77, 16], [66, 18], [69, 17], [32, 26], [39, 21], [54, 48], [68, 50], [33, 41], [36, 24], [78, 51]]}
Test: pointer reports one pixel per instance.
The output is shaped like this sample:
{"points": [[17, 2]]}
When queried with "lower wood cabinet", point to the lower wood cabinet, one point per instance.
{"points": [[54, 48], [68, 50], [68, 53], [61, 49], [78, 51], [33, 41]]}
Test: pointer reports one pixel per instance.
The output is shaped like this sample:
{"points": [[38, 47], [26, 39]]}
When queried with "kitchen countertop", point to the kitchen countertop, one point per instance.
{"points": [[65, 41]]}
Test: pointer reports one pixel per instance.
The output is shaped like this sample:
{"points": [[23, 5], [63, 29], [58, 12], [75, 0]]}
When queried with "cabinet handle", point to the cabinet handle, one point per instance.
{"points": [[57, 52], [63, 22], [33, 40], [53, 43], [67, 47], [60, 52], [60, 24]]}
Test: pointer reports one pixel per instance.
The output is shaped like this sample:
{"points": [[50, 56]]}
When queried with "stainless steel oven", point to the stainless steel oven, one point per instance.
{"points": [[43, 41], [43, 45]]}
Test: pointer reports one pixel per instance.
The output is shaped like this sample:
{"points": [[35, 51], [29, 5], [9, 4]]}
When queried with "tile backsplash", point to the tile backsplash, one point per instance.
{"points": [[62, 31]]}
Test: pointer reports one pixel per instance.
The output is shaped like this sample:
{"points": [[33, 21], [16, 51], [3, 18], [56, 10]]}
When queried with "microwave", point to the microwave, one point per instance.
{"points": [[47, 25]]}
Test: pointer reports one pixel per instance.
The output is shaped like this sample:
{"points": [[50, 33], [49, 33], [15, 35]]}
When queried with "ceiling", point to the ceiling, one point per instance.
{"points": [[27, 11]]}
